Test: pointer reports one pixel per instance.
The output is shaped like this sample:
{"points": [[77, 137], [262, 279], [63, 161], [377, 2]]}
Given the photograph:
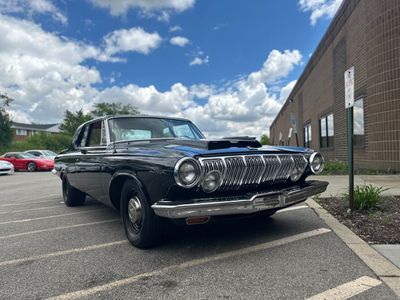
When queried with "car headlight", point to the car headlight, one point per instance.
{"points": [[212, 180], [296, 174], [187, 172], [316, 163]]}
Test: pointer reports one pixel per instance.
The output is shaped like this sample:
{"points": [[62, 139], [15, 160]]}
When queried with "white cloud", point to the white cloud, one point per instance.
{"points": [[278, 65], [134, 39], [179, 41], [32, 7], [46, 75], [198, 61], [121, 7], [320, 8], [175, 28]]}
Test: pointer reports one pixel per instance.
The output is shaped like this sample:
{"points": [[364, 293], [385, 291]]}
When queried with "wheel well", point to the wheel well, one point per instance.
{"points": [[115, 189]]}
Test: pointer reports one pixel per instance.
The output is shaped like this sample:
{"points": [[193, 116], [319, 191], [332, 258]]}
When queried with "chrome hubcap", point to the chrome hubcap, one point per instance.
{"points": [[135, 212]]}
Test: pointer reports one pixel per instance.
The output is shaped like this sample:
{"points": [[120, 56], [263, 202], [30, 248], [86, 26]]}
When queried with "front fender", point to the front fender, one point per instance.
{"points": [[117, 181]]}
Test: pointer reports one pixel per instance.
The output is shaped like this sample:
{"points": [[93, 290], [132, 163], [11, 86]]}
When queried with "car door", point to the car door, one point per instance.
{"points": [[13, 159], [89, 162]]}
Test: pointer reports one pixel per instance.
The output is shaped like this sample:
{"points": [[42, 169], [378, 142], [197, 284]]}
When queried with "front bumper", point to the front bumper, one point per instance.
{"points": [[259, 202]]}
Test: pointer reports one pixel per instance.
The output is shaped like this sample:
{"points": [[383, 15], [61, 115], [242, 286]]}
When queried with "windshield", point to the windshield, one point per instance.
{"points": [[126, 129], [26, 155], [49, 153]]}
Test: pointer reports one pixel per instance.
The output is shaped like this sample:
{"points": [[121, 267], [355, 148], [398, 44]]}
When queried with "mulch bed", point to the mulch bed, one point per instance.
{"points": [[377, 226]]}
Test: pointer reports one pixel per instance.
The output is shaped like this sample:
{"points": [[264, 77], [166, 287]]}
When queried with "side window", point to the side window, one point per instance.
{"points": [[82, 137], [95, 132]]}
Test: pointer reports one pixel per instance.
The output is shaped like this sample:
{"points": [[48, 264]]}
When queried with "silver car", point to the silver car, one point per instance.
{"points": [[6, 167]]}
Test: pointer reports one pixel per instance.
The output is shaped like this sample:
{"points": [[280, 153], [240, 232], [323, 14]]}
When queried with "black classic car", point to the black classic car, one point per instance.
{"points": [[155, 169]]}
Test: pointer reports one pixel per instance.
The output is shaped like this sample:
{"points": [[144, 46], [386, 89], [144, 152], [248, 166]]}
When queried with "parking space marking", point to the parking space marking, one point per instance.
{"points": [[50, 217], [191, 263], [29, 202], [349, 289], [28, 209], [60, 253], [56, 228], [292, 208]]}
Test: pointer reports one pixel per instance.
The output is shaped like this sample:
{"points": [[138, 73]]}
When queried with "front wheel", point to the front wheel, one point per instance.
{"points": [[142, 227], [71, 195]]}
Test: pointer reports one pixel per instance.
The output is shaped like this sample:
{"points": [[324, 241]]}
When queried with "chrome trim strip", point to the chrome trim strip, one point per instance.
{"points": [[259, 202]]}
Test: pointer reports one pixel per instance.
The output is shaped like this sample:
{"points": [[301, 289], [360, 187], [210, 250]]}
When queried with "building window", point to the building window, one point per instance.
{"points": [[307, 135], [326, 131], [21, 132], [359, 136]]}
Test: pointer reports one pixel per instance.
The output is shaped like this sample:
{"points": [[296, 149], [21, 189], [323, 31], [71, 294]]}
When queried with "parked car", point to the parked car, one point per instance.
{"points": [[42, 153], [29, 162], [155, 169], [6, 167]]}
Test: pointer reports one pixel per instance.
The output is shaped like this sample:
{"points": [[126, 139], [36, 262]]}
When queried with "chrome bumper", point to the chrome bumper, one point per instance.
{"points": [[259, 202]]}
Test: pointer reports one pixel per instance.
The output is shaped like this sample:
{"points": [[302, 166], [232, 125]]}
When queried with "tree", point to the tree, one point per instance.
{"points": [[6, 133], [72, 120], [264, 140], [105, 109]]}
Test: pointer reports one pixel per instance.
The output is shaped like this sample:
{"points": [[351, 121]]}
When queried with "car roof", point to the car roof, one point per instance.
{"points": [[140, 116], [109, 117]]}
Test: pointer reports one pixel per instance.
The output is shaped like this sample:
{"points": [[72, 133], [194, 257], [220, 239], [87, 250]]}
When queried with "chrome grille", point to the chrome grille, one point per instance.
{"points": [[248, 170]]}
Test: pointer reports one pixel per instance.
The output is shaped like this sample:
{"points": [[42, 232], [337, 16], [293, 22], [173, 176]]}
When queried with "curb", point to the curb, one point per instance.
{"points": [[383, 268]]}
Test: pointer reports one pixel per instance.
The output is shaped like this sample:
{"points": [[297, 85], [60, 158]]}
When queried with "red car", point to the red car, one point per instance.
{"points": [[26, 161]]}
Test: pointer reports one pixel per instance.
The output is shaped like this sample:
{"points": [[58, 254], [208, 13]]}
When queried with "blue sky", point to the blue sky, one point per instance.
{"points": [[227, 65]]}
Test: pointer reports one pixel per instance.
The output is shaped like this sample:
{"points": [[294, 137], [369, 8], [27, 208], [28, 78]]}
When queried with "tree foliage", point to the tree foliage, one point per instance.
{"points": [[116, 108], [43, 140], [6, 133], [264, 140], [72, 120]]}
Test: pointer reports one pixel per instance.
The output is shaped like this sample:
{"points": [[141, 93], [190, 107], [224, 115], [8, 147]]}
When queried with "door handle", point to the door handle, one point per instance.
{"points": [[77, 160]]}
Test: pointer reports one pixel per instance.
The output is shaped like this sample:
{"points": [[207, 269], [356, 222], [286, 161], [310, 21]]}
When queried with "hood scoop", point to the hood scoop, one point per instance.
{"points": [[218, 144]]}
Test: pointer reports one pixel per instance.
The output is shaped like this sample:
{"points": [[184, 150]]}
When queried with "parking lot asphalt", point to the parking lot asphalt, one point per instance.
{"points": [[50, 250]]}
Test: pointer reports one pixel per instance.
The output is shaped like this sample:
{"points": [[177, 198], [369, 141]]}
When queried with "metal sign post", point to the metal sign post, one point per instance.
{"points": [[349, 102], [294, 127]]}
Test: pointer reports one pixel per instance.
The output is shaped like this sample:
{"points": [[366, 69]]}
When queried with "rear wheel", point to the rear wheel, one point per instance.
{"points": [[31, 167], [143, 227], [71, 195]]}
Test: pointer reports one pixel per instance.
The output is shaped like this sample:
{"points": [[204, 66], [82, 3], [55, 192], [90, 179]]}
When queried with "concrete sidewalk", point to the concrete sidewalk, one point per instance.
{"points": [[338, 184]]}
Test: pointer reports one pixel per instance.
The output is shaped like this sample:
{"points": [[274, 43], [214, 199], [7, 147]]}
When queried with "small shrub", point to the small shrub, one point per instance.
{"points": [[366, 197], [335, 167]]}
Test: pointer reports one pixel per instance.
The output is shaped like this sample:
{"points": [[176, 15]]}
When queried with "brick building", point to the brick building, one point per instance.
{"points": [[23, 131], [364, 34]]}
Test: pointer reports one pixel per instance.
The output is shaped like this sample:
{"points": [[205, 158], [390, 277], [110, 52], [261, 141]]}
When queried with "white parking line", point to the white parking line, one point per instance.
{"points": [[60, 253], [348, 290], [56, 228], [50, 217], [292, 208], [29, 202], [191, 263], [28, 209]]}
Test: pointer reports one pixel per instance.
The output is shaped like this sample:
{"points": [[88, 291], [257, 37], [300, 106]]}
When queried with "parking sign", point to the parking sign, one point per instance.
{"points": [[349, 87]]}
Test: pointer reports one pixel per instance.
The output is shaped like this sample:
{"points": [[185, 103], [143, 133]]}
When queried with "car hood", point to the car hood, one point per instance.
{"points": [[190, 148]]}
